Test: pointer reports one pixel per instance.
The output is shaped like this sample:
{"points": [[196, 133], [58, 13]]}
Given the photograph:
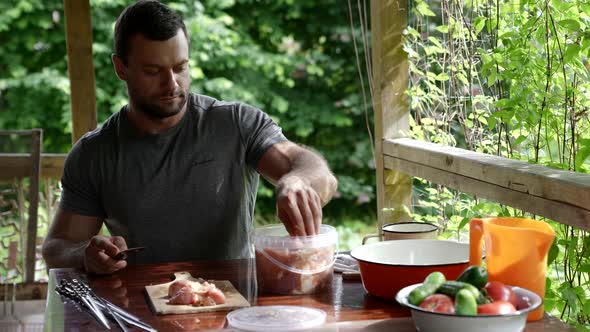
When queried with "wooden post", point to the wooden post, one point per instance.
{"points": [[390, 103], [80, 66], [31, 243]]}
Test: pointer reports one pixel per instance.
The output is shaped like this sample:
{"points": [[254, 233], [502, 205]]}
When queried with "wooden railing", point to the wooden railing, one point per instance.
{"points": [[560, 195], [14, 165]]}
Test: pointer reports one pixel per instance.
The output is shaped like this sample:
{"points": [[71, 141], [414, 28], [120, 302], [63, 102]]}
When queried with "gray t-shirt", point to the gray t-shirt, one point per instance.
{"points": [[185, 194]]}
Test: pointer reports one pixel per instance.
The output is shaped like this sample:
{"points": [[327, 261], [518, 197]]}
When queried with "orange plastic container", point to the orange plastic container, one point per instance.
{"points": [[516, 252]]}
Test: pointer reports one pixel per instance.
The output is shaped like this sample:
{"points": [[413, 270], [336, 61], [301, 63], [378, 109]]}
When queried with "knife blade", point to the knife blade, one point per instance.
{"points": [[124, 253]]}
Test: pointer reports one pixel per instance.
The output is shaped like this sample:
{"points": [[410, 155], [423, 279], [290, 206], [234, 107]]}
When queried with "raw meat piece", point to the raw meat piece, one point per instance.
{"points": [[195, 293], [217, 295], [275, 279], [177, 285], [186, 295]]}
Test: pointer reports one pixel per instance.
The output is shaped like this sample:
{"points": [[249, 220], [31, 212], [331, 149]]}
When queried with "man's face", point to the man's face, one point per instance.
{"points": [[157, 75]]}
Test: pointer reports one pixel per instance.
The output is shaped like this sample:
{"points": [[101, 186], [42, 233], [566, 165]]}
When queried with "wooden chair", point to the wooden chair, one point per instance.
{"points": [[14, 168]]}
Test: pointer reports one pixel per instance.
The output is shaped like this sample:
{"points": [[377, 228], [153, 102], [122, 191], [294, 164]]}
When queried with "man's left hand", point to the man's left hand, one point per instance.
{"points": [[299, 206]]}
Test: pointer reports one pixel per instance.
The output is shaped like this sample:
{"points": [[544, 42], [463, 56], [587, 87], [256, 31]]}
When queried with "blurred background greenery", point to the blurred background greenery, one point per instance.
{"points": [[293, 59]]}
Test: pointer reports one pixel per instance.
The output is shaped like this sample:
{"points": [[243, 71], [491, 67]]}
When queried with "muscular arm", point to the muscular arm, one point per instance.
{"points": [[72, 241], [67, 237], [304, 185]]}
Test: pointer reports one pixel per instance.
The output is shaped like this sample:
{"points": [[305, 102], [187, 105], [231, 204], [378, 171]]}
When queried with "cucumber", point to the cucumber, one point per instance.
{"points": [[432, 282], [452, 287], [465, 303], [475, 275]]}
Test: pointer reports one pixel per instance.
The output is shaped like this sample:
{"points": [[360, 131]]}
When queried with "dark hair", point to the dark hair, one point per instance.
{"points": [[150, 18]]}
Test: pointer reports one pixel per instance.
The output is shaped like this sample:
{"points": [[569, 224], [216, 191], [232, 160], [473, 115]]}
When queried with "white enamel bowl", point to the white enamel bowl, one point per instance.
{"points": [[429, 321]]}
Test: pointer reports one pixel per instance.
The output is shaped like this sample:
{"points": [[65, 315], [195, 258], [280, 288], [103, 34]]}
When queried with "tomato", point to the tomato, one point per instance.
{"points": [[500, 292], [524, 302], [439, 303], [496, 308]]}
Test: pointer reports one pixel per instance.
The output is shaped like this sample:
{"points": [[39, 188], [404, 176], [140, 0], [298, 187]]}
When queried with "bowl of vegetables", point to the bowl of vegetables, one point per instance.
{"points": [[469, 303]]}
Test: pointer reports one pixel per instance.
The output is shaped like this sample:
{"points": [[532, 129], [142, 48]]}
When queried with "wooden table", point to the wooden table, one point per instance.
{"points": [[347, 305]]}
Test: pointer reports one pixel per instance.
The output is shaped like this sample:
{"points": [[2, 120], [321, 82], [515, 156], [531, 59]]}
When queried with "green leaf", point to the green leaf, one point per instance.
{"points": [[463, 222], [280, 104], [586, 308], [553, 253], [570, 24], [491, 24], [442, 28], [435, 41], [492, 120], [583, 152], [422, 8], [570, 296], [572, 52], [503, 103], [479, 24], [443, 77], [519, 140]]}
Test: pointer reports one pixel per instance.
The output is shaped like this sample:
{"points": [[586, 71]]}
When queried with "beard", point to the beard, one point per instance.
{"points": [[159, 109]]}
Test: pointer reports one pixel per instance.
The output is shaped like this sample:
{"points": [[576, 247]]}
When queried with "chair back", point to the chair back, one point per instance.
{"points": [[19, 234]]}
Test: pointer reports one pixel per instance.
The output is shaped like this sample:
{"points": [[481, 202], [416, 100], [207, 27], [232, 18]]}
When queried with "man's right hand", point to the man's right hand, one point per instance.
{"points": [[100, 252]]}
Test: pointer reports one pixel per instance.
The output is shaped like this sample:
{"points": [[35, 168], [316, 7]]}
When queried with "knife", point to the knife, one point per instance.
{"points": [[124, 253]]}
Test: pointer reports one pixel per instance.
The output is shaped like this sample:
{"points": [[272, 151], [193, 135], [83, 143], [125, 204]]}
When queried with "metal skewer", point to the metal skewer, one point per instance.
{"points": [[75, 291], [104, 306], [116, 317], [128, 317], [85, 296], [135, 322], [82, 293], [117, 313]]}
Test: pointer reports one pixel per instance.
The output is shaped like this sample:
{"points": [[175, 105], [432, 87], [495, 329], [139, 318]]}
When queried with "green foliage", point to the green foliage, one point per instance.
{"points": [[508, 78], [15, 214], [293, 59]]}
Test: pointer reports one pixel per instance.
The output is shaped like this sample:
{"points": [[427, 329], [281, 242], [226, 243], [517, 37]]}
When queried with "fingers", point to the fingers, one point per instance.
{"points": [[119, 242], [299, 208], [307, 214], [316, 209], [98, 255], [291, 217], [284, 217]]}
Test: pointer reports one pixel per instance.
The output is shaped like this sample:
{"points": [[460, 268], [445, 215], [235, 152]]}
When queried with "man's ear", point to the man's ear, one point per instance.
{"points": [[119, 67]]}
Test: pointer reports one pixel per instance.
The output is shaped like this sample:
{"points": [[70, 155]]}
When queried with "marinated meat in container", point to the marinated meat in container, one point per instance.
{"points": [[294, 264]]}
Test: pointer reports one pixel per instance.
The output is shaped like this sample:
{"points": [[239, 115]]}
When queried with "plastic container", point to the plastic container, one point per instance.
{"points": [[276, 318], [294, 265]]}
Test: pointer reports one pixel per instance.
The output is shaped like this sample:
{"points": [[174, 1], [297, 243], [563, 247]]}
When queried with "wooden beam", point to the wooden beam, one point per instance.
{"points": [[34, 176], [559, 195], [15, 165], [80, 66], [390, 103]]}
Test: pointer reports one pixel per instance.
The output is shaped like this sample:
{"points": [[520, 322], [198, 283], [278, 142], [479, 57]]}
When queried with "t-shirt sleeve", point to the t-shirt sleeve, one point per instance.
{"points": [[80, 192], [259, 132]]}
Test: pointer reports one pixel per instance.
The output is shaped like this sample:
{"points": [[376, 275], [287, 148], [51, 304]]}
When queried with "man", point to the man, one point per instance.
{"points": [[173, 171]]}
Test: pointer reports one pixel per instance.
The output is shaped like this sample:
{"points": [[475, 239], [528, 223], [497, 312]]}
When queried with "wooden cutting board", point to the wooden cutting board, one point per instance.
{"points": [[158, 295]]}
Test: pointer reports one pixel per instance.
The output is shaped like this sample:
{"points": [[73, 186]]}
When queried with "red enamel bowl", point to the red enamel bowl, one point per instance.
{"points": [[388, 266]]}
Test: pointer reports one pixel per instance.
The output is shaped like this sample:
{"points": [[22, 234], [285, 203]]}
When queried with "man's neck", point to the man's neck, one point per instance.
{"points": [[151, 125]]}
